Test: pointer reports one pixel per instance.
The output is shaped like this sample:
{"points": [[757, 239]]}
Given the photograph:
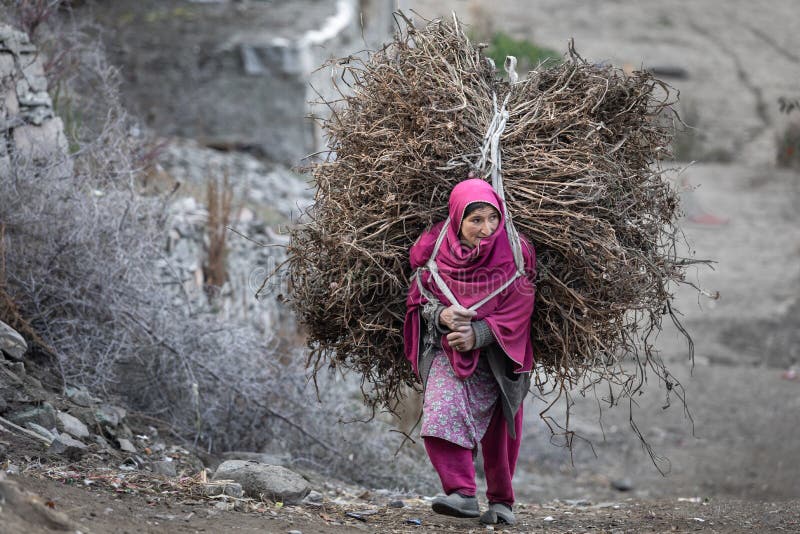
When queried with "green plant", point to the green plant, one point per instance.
{"points": [[789, 147], [528, 54]]}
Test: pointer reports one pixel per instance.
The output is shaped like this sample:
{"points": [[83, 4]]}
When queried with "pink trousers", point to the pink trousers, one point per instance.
{"points": [[456, 469]]}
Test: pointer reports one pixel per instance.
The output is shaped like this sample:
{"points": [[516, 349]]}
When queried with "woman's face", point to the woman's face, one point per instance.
{"points": [[479, 224]]}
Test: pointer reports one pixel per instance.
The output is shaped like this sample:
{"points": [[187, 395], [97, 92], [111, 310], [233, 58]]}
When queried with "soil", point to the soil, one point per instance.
{"points": [[731, 460], [120, 513]]}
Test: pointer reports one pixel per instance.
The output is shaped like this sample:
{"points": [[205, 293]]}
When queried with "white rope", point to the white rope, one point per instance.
{"points": [[431, 267], [490, 152]]}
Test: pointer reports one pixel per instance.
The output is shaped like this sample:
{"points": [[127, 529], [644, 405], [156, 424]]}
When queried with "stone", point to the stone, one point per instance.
{"points": [[250, 60], [164, 468], [124, 431], [11, 102], [102, 442], [63, 445], [109, 415], [34, 74], [126, 445], [44, 415], [12, 343], [19, 369], [231, 489], [622, 484], [7, 66], [260, 457], [80, 397], [41, 143], [314, 498], [72, 425], [271, 481], [40, 430]]}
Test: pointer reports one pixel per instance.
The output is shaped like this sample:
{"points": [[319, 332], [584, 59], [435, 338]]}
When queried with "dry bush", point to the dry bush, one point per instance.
{"points": [[81, 254], [580, 158], [220, 202]]}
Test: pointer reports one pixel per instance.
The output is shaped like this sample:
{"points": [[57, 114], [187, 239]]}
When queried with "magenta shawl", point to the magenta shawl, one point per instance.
{"points": [[471, 275]]}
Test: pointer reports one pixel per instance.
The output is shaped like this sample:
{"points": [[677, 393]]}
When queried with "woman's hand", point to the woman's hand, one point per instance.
{"points": [[463, 339], [454, 317]]}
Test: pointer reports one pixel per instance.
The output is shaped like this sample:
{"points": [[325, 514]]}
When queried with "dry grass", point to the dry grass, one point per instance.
{"points": [[580, 159], [220, 202]]}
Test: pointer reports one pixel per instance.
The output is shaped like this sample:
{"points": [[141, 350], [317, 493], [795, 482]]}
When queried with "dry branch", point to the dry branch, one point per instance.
{"points": [[580, 163]]}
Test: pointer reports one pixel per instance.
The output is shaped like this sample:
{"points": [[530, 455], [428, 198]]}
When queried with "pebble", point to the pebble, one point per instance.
{"points": [[164, 468], [313, 497], [126, 445], [397, 504], [295, 532], [623, 484]]}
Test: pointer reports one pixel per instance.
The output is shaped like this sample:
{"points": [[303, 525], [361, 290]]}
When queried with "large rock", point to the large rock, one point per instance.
{"points": [[64, 445], [72, 425], [109, 415], [44, 415], [11, 343], [270, 481], [81, 397]]}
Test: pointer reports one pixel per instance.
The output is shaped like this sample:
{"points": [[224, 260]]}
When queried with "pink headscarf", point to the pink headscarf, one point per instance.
{"points": [[471, 275]]}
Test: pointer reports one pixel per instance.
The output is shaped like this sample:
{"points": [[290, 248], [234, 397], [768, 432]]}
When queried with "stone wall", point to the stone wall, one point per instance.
{"points": [[31, 133]]}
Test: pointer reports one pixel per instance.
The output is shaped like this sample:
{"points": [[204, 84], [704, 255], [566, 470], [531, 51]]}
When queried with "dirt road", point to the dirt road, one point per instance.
{"points": [[121, 513]]}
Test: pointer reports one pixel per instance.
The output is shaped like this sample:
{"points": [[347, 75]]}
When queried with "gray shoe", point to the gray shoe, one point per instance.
{"points": [[456, 505], [498, 513]]}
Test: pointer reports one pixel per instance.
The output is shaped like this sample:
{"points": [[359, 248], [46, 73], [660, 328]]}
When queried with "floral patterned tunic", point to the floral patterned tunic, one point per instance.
{"points": [[458, 410]]}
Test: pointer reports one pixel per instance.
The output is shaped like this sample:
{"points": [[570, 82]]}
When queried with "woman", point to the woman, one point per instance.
{"points": [[467, 336]]}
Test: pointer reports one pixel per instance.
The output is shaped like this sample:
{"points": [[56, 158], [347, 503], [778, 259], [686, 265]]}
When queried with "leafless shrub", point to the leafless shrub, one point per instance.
{"points": [[30, 14], [81, 257]]}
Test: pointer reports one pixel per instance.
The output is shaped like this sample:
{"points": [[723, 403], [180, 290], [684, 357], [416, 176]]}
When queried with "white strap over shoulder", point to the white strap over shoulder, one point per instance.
{"points": [[491, 154]]}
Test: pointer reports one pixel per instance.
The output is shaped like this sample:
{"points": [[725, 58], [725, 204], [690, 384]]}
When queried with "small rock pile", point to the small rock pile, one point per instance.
{"points": [[68, 426], [72, 423]]}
